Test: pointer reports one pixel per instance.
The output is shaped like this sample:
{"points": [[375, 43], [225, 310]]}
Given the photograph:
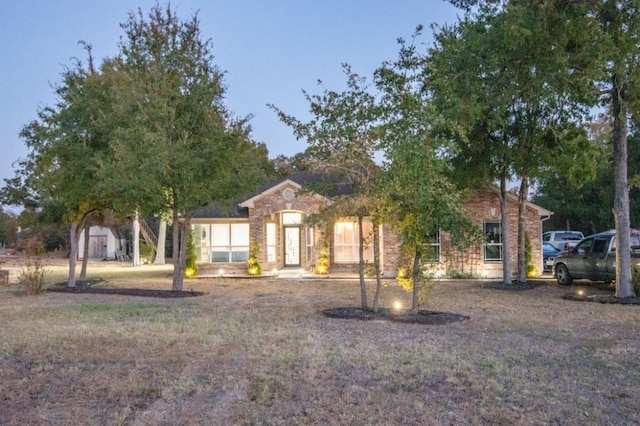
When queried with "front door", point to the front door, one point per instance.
{"points": [[291, 246]]}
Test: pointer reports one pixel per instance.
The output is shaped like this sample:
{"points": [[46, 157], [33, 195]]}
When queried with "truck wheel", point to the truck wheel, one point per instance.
{"points": [[562, 275]]}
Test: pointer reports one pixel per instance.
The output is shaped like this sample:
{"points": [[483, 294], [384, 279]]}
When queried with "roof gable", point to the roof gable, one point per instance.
{"points": [[287, 183], [542, 212]]}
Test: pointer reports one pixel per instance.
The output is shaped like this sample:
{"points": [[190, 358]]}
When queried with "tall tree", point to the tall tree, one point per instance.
{"points": [[603, 54], [618, 36], [63, 145], [176, 147], [498, 74]]}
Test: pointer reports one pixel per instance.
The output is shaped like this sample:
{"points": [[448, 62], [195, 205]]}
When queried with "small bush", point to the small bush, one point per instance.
{"points": [[528, 255], [147, 253], [33, 274], [322, 265], [191, 260], [253, 263]]}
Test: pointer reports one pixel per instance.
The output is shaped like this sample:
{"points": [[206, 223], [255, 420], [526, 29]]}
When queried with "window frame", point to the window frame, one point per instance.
{"points": [[488, 245], [352, 246], [223, 242]]}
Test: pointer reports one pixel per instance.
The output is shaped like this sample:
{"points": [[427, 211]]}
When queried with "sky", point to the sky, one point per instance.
{"points": [[271, 50]]}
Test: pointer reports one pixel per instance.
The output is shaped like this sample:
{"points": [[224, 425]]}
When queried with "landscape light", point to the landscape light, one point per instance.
{"points": [[397, 305]]}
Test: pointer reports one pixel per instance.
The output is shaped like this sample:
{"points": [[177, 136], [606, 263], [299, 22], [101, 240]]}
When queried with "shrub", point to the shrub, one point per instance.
{"points": [[253, 263], [147, 253], [191, 260], [528, 255], [322, 265], [33, 274]]}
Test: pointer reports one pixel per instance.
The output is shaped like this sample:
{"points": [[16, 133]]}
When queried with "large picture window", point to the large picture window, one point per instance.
{"points": [[492, 240], [223, 242], [347, 241]]}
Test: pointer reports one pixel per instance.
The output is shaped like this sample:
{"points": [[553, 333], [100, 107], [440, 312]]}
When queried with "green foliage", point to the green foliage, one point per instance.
{"points": [[253, 263], [191, 261], [636, 281], [8, 228], [171, 129], [343, 139], [322, 265], [421, 199], [147, 253], [528, 255]]}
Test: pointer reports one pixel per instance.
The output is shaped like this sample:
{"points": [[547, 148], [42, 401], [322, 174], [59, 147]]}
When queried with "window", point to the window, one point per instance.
{"points": [[229, 242], [432, 249], [584, 248], [309, 243], [600, 246], [271, 242], [492, 240], [347, 241], [291, 218]]}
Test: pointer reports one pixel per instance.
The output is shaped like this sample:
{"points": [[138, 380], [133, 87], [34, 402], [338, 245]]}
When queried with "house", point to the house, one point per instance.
{"points": [[103, 244], [274, 219]]}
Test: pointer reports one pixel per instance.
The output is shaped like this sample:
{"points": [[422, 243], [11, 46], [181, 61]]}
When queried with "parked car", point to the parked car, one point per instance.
{"points": [[549, 253], [594, 258], [562, 240]]}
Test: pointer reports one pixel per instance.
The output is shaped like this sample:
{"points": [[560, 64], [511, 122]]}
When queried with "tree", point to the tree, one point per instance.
{"points": [[422, 200], [619, 74], [176, 147], [64, 143], [8, 228], [498, 76], [342, 137]]}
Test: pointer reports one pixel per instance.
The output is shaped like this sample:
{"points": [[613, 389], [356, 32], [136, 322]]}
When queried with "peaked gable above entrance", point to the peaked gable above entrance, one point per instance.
{"points": [[287, 189]]}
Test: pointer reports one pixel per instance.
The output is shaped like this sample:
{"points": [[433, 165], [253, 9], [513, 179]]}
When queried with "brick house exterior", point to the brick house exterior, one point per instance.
{"points": [[274, 219]]}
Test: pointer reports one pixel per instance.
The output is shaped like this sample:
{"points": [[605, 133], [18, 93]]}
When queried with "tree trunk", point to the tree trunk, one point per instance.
{"points": [[136, 240], [624, 284], [85, 251], [179, 250], [504, 224], [522, 222], [376, 265], [363, 288], [73, 254], [162, 238], [415, 277]]}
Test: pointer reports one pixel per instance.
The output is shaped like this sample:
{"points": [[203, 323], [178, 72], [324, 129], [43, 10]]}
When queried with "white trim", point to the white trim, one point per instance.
{"points": [[286, 183]]}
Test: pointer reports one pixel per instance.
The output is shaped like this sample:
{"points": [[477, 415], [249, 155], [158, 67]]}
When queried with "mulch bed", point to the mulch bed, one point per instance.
{"points": [[385, 314], [514, 286], [87, 288]]}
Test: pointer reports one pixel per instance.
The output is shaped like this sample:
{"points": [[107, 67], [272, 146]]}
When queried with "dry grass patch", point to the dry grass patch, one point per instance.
{"points": [[261, 352]]}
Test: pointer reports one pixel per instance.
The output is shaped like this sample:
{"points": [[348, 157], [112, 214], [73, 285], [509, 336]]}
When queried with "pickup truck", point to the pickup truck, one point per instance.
{"points": [[593, 258]]}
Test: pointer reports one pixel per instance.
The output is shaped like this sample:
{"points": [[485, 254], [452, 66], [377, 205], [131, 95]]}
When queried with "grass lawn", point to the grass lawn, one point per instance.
{"points": [[261, 352]]}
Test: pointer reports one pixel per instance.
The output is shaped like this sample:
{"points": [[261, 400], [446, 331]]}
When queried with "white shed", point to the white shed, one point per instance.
{"points": [[103, 243]]}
